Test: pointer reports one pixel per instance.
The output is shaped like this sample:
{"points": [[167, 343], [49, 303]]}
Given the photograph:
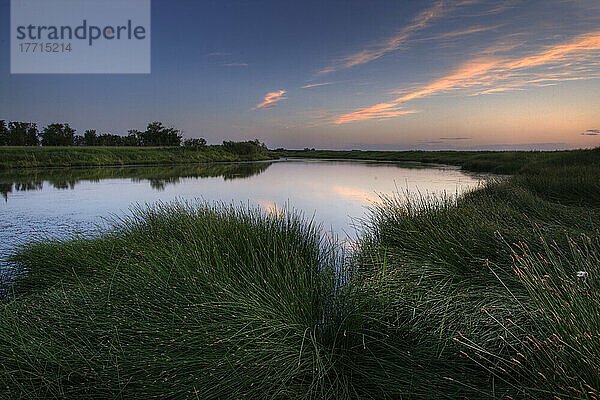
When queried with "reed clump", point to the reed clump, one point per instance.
{"points": [[493, 294]]}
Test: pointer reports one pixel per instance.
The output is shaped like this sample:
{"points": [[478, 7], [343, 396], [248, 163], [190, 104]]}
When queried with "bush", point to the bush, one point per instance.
{"points": [[246, 148], [157, 135], [195, 142]]}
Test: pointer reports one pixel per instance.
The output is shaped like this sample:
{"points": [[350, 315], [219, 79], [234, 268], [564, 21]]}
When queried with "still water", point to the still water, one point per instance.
{"points": [[58, 202]]}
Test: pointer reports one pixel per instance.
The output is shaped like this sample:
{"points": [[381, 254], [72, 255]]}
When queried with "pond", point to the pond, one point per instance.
{"points": [[58, 202]]}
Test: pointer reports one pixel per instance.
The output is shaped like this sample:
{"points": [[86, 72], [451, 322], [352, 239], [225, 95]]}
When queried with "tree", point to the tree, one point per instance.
{"points": [[89, 138], [245, 148], [58, 135], [22, 134], [130, 140], [108, 139], [199, 142], [158, 135], [3, 133]]}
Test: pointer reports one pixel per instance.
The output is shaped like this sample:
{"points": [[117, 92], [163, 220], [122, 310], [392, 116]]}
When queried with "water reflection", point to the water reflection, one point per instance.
{"points": [[62, 202], [159, 177]]}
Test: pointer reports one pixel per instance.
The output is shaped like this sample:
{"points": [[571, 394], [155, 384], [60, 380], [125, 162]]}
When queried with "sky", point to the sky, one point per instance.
{"points": [[378, 74]]}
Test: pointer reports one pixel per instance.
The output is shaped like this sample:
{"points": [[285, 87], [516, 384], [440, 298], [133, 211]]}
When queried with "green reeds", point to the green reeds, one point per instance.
{"points": [[77, 156], [479, 296], [176, 301]]}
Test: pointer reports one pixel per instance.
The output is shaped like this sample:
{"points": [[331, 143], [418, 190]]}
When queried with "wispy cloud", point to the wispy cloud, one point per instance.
{"points": [[271, 99], [591, 132], [468, 31], [236, 65], [575, 60], [378, 111], [218, 54], [313, 85], [461, 78], [395, 42], [496, 90], [455, 138]]}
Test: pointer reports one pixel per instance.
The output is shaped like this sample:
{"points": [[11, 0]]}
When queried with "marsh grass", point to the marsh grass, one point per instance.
{"points": [[169, 302], [489, 280], [77, 156], [498, 162], [492, 294]]}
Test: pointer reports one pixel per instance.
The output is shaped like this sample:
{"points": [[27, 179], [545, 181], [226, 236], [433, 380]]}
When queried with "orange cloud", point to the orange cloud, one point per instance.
{"points": [[496, 90], [463, 77], [378, 111], [560, 53], [271, 98], [577, 59]]}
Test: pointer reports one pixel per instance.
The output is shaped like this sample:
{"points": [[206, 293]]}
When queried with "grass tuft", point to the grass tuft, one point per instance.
{"points": [[493, 294]]}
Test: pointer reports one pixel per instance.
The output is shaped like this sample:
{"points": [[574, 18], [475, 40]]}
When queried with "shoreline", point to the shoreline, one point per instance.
{"points": [[441, 297], [496, 162], [19, 158]]}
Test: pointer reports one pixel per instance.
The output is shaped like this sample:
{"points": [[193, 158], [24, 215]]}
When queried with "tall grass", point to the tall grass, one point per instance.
{"points": [[77, 156], [176, 302], [474, 278], [480, 296], [498, 162]]}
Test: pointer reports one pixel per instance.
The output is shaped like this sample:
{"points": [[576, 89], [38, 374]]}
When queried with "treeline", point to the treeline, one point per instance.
{"points": [[156, 134], [27, 134]]}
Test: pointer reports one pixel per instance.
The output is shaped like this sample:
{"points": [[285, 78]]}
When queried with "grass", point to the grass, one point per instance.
{"points": [[489, 280], [171, 301], [72, 156], [498, 162], [490, 295]]}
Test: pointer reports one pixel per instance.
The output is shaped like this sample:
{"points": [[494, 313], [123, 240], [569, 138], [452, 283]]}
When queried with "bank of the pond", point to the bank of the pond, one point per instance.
{"points": [[498, 162], [491, 295], [78, 156]]}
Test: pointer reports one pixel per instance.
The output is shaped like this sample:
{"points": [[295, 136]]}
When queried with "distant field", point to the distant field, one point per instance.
{"points": [[500, 162], [36, 157]]}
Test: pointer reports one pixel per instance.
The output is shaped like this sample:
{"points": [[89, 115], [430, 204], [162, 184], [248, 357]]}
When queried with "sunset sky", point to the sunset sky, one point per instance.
{"points": [[394, 75]]}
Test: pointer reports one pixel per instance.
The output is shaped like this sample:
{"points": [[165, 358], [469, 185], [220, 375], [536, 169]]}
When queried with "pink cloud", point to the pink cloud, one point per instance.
{"points": [[378, 111], [271, 99], [575, 60]]}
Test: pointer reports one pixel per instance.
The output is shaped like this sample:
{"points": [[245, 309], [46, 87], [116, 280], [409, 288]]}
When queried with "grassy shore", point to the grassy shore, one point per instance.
{"points": [[38, 157], [490, 295], [498, 162]]}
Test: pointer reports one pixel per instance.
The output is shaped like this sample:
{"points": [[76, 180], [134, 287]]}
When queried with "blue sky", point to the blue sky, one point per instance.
{"points": [[344, 74]]}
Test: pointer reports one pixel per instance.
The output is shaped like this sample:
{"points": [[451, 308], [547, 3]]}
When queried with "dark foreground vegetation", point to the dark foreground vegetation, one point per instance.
{"points": [[491, 295]]}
